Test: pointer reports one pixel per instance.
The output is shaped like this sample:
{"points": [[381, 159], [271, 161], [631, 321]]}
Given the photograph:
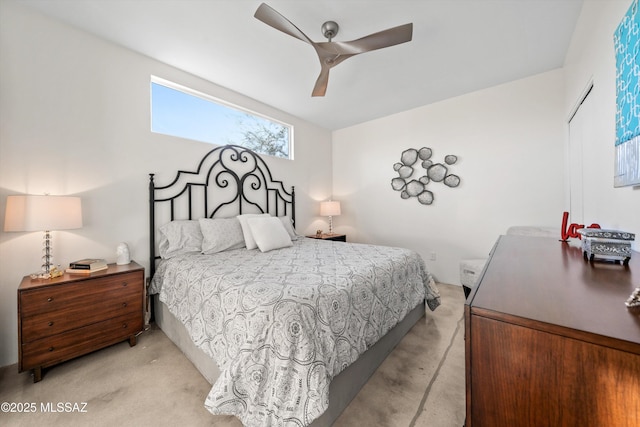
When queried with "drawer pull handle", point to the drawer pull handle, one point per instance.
{"points": [[124, 304], [124, 326], [49, 299], [50, 348], [124, 284], [50, 323]]}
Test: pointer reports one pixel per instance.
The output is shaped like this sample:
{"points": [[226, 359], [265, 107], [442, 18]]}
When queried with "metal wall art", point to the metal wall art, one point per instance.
{"points": [[436, 172]]}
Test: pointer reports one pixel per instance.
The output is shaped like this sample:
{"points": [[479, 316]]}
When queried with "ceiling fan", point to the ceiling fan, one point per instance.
{"points": [[332, 53]]}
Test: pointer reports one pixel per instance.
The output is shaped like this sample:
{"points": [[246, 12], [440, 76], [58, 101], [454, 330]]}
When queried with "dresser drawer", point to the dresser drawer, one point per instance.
{"points": [[55, 322], [57, 348], [84, 295]]}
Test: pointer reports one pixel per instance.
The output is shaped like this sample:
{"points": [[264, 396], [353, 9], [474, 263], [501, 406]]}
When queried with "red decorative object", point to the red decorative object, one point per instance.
{"points": [[572, 230]]}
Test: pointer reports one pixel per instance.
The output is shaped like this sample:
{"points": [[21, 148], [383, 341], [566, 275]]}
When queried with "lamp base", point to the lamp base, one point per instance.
{"points": [[47, 253]]}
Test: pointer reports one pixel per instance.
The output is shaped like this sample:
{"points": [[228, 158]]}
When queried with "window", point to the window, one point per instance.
{"points": [[185, 113]]}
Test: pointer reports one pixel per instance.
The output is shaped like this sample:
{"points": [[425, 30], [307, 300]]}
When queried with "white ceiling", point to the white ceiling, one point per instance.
{"points": [[458, 46]]}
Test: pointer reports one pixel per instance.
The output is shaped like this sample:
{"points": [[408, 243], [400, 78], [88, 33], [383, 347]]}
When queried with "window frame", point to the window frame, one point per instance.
{"points": [[220, 102]]}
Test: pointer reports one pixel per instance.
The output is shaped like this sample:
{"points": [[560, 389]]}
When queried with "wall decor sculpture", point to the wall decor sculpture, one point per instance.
{"points": [[411, 183]]}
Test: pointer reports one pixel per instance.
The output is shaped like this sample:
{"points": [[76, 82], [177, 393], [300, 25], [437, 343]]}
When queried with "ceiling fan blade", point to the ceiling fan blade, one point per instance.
{"points": [[328, 60], [333, 53], [320, 87], [271, 17], [390, 37]]}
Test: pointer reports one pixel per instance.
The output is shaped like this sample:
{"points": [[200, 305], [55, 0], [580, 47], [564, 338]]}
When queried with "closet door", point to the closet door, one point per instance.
{"points": [[580, 135]]}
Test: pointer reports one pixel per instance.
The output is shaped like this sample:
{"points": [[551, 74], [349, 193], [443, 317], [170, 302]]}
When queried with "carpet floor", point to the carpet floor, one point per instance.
{"points": [[421, 383]]}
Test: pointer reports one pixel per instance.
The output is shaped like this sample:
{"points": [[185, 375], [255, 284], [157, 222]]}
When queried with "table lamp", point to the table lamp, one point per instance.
{"points": [[43, 213], [330, 208]]}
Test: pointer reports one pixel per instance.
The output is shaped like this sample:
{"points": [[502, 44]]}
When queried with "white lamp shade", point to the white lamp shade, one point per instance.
{"points": [[42, 213], [330, 208]]}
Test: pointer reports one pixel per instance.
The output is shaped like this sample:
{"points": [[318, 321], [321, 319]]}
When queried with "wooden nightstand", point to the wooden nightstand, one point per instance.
{"points": [[72, 315], [335, 237]]}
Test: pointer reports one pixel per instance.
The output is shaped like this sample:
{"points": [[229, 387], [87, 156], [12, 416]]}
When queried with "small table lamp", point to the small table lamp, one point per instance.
{"points": [[330, 209], [43, 213]]}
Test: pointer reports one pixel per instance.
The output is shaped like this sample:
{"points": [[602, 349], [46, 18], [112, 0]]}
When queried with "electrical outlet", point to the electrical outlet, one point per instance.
{"points": [[432, 256]]}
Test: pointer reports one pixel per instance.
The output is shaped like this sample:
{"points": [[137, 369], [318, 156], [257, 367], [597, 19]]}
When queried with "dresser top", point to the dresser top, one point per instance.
{"points": [[28, 283], [544, 280]]}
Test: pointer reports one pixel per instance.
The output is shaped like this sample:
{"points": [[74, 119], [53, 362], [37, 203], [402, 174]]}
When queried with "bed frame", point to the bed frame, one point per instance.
{"points": [[231, 180], [244, 175]]}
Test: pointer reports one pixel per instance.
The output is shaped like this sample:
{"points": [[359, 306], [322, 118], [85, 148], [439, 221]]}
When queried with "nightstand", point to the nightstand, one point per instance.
{"points": [[335, 237], [74, 314]]}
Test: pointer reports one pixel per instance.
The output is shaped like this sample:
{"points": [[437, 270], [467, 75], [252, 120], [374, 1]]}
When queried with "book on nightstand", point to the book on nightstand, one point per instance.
{"points": [[84, 271], [88, 264]]}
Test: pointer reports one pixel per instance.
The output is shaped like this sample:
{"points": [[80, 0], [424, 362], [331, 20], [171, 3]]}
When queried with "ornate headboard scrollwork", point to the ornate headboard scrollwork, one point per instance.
{"points": [[230, 180]]}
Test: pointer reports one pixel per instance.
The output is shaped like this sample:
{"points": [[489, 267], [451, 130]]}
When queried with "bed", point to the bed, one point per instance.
{"points": [[287, 329]]}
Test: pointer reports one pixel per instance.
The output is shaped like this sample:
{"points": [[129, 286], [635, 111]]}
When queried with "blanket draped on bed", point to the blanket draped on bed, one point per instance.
{"points": [[281, 324]]}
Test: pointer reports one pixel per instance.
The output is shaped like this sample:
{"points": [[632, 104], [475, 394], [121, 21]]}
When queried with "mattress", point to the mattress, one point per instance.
{"points": [[280, 325]]}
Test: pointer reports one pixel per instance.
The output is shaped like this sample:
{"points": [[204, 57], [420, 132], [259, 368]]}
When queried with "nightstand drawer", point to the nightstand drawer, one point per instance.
{"points": [[54, 349], [91, 310], [83, 295]]}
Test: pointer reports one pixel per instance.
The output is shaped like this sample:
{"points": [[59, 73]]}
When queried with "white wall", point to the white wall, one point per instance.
{"points": [[509, 142], [591, 58], [512, 143], [74, 120]]}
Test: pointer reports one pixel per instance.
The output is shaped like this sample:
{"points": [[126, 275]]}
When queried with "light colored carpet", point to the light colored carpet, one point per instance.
{"points": [[421, 383]]}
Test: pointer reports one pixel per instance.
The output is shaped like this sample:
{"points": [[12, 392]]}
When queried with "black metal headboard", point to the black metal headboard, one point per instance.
{"points": [[230, 180]]}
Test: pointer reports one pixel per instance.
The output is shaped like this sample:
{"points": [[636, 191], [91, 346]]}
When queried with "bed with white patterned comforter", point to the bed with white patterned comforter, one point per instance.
{"points": [[281, 324]]}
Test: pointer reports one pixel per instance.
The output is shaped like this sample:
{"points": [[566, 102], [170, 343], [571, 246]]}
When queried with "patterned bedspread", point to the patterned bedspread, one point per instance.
{"points": [[281, 324]]}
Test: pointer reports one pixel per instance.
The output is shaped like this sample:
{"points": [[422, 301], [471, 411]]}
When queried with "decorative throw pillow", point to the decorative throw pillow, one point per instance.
{"points": [[288, 225], [179, 237], [269, 233], [249, 241], [220, 234]]}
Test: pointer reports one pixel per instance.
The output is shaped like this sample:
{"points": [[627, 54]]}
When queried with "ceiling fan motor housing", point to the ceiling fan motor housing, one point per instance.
{"points": [[330, 29]]}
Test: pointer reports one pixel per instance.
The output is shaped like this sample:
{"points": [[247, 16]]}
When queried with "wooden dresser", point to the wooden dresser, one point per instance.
{"points": [[71, 315], [549, 340]]}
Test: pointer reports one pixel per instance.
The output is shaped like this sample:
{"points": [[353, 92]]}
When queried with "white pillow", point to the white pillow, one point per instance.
{"points": [[288, 225], [220, 234], [249, 241], [269, 233], [179, 237]]}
